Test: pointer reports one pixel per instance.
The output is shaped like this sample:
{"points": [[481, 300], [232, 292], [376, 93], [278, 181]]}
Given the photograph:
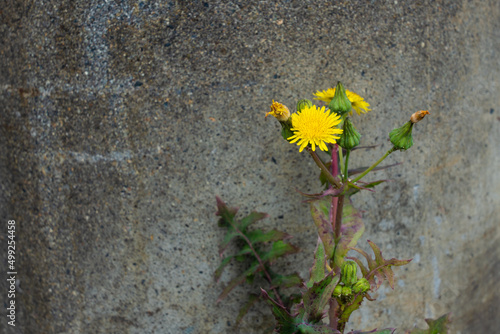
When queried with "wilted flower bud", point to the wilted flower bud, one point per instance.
{"points": [[279, 111], [282, 114], [303, 103], [348, 271], [340, 104], [350, 137], [346, 291], [361, 286], [337, 291], [418, 116], [401, 137]]}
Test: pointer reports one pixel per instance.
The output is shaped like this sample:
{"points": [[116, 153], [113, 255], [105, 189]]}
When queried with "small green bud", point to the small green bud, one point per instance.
{"points": [[340, 104], [361, 286], [346, 291], [337, 291], [348, 271], [303, 103], [401, 137], [350, 137]]}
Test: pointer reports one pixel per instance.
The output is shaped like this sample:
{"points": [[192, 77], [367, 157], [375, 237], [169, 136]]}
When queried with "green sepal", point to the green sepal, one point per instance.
{"points": [[349, 139], [401, 137], [286, 127], [340, 104]]}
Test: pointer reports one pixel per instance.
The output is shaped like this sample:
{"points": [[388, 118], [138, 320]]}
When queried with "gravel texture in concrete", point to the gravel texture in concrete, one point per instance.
{"points": [[121, 120]]}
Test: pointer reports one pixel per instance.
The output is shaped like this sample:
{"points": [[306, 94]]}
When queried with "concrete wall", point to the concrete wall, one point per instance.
{"points": [[121, 121]]}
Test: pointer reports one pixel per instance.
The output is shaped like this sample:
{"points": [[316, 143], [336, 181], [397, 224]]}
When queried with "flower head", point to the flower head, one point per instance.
{"points": [[418, 116], [279, 111], [358, 103], [314, 126]]}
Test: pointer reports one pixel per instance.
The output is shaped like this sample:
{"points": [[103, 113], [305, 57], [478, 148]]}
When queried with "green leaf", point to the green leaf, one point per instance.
{"points": [[278, 249], [320, 211], [227, 220], [317, 271], [351, 230], [225, 261], [239, 280], [288, 324], [260, 236], [316, 298], [380, 267], [437, 326], [250, 219], [286, 281], [382, 331], [367, 186]]}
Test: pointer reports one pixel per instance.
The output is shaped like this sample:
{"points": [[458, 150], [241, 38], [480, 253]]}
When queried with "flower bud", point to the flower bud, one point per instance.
{"points": [[279, 111], [401, 137], [348, 271], [340, 104], [337, 291], [361, 286], [286, 129], [350, 137], [346, 291], [303, 103], [418, 116]]}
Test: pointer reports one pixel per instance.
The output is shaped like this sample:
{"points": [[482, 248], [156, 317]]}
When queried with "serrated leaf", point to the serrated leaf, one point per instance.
{"points": [[278, 249], [238, 280], [437, 326], [375, 331], [246, 307], [379, 267], [320, 212], [355, 188], [316, 329], [286, 281], [225, 261], [316, 298], [351, 230], [317, 272], [228, 221], [288, 324], [261, 236], [250, 219], [328, 192]]}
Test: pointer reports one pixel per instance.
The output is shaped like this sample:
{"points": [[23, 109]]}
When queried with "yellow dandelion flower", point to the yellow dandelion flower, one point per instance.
{"points": [[314, 126], [358, 103], [279, 111]]}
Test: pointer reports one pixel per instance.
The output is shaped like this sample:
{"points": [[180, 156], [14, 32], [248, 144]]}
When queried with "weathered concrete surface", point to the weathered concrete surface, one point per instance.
{"points": [[121, 120]]}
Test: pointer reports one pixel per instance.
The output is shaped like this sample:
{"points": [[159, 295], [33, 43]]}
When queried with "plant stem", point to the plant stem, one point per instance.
{"points": [[374, 165], [260, 263], [341, 158], [323, 168], [335, 171], [346, 171], [338, 217], [333, 313]]}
